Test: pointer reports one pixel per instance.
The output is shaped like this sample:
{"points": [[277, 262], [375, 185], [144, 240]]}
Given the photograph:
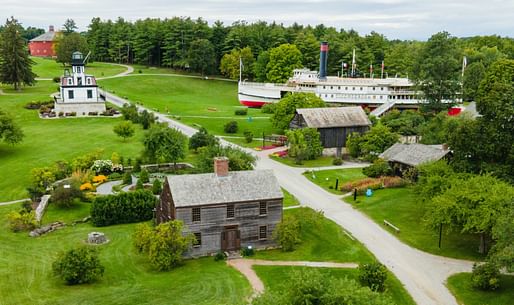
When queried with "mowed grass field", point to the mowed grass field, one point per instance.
{"points": [[49, 68], [25, 266], [47, 141], [327, 178], [460, 285], [195, 101]]}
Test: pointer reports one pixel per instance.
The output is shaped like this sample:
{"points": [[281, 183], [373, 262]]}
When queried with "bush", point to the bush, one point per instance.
{"points": [[115, 176], [287, 233], [201, 139], [373, 275], [102, 166], [247, 251], [143, 176], [241, 111], [220, 256], [485, 276], [156, 187], [123, 208], [379, 168], [127, 178], [238, 159], [231, 127], [337, 161], [21, 221], [78, 266], [139, 185], [248, 136], [99, 179], [373, 183], [56, 79], [268, 108], [64, 195]]}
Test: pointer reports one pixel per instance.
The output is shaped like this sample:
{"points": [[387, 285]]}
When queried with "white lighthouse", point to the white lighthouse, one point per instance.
{"points": [[78, 91]]}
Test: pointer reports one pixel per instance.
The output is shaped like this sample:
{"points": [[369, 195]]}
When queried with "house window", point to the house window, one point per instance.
{"points": [[196, 214], [361, 88], [70, 81], [89, 80], [89, 94], [263, 208], [230, 211], [70, 94], [263, 232], [198, 239]]}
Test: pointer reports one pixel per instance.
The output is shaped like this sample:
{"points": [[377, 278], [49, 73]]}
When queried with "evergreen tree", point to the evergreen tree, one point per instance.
{"points": [[15, 64], [69, 26]]}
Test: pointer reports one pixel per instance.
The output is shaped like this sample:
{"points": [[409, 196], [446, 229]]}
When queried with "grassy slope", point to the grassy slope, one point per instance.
{"points": [[47, 141], [48, 68], [321, 242], [327, 178], [289, 200], [401, 207], [25, 265], [274, 277], [186, 97], [460, 286]]}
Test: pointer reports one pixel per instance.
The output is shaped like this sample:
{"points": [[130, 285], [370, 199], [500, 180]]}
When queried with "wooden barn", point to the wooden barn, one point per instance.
{"points": [[404, 156], [333, 123], [224, 210], [44, 44]]}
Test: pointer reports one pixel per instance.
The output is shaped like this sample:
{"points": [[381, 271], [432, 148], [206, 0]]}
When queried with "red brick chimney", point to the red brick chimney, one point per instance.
{"points": [[51, 28], [221, 166]]}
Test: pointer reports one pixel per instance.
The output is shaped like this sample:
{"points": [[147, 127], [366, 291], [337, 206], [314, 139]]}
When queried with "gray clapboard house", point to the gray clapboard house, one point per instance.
{"points": [[333, 123], [403, 156], [224, 210]]}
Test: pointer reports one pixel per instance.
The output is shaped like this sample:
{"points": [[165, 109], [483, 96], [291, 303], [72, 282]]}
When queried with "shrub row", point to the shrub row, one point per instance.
{"points": [[241, 111], [373, 183], [123, 208]]}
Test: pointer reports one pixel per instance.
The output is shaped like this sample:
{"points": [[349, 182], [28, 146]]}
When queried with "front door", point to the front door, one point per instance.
{"points": [[230, 239]]}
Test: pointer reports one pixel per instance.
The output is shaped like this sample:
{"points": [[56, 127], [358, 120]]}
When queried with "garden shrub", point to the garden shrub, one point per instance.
{"points": [[99, 179], [87, 187], [201, 138], [268, 108], [78, 266], [373, 275], [287, 233], [231, 127], [143, 176], [485, 276], [64, 195], [220, 256], [56, 79], [123, 208], [115, 176], [241, 111], [248, 136], [156, 187], [379, 168], [127, 178], [102, 166], [85, 162], [373, 183], [247, 251], [139, 185], [337, 161], [21, 221]]}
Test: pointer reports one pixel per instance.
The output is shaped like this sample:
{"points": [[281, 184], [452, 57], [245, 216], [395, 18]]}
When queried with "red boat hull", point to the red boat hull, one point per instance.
{"points": [[252, 104]]}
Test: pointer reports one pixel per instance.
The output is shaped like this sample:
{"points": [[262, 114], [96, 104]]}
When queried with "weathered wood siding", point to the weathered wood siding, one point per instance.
{"points": [[214, 220], [165, 210], [336, 137]]}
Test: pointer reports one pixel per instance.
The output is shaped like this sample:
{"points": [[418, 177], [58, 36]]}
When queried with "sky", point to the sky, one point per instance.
{"points": [[396, 19]]}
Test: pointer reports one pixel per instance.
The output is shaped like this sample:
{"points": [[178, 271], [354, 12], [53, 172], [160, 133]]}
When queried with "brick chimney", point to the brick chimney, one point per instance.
{"points": [[51, 28], [221, 166]]}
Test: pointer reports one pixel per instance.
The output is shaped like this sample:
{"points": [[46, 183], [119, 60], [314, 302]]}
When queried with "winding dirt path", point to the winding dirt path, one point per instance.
{"points": [[244, 266]]}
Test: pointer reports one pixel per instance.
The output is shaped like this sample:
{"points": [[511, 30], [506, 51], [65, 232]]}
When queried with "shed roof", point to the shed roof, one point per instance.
{"points": [[334, 117], [413, 154], [48, 36], [204, 189]]}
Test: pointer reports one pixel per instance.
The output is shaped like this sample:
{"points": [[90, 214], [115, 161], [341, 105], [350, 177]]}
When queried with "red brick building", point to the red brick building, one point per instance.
{"points": [[44, 45]]}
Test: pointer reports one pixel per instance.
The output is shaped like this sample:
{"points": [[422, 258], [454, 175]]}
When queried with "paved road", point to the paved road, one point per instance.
{"points": [[423, 275]]}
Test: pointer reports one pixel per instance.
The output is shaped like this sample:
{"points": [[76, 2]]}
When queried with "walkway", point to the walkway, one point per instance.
{"points": [[244, 266], [424, 275]]}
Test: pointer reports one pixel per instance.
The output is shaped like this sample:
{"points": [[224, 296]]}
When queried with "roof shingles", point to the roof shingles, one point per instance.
{"points": [[329, 117], [413, 154]]}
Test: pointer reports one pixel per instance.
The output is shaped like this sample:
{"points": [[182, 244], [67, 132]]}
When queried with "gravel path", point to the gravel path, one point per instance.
{"points": [[244, 266], [106, 188], [424, 275]]}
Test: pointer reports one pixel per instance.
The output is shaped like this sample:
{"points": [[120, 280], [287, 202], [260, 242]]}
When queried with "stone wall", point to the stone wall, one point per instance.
{"points": [[81, 109]]}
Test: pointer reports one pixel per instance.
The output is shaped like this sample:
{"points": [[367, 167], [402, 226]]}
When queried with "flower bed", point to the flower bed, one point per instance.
{"points": [[373, 183]]}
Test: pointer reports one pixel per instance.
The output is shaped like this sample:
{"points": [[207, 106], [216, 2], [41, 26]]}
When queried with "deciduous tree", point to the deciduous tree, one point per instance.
{"points": [[163, 144], [79, 266], [282, 61], [67, 44], [286, 107], [124, 130], [10, 132]]}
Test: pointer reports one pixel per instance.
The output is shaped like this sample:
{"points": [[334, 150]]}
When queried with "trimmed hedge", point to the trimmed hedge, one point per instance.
{"points": [[123, 208]]}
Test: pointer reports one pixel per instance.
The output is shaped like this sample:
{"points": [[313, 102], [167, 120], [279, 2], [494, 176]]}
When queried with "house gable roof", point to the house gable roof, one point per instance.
{"points": [[48, 36], [413, 154], [329, 117], [205, 189]]}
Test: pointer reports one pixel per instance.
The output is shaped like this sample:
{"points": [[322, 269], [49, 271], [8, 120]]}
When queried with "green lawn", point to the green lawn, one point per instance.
{"points": [[325, 241], [25, 265], [327, 178], [401, 207], [460, 286], [289, 200], [47, 141], [49, 68], [197, 102], [319, 162], [274, 278]]}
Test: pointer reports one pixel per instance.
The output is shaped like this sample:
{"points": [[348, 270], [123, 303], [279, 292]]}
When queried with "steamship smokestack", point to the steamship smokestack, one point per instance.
{"points": [[323, 57]]}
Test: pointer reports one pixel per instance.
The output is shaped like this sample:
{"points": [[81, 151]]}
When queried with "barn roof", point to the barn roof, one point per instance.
{"points": [[334, 117], [204, 189], [48, 36], [414, 154]]}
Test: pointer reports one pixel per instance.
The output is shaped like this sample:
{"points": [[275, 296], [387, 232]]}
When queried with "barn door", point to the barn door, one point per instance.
{"points": [[230, 240]]}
